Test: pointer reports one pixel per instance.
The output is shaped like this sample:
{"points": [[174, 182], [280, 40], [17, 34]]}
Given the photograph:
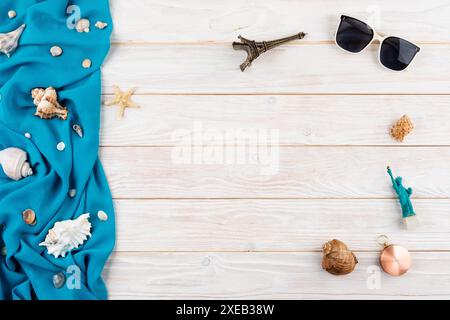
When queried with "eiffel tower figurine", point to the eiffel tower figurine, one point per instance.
{"points": [[255, 48]]}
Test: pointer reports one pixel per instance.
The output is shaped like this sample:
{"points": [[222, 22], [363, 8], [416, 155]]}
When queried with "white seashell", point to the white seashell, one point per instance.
{"points": [[9, 41], [12, 14], [83, 25], [61, 146], [27, 135], [72, 193], [101, 25], [102, 215], [67, 235], [56, 51], [14, 163], [87, 63]]}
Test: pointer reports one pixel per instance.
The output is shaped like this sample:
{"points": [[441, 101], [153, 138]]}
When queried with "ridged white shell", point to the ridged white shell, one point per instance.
{"points": [[67, 235]]}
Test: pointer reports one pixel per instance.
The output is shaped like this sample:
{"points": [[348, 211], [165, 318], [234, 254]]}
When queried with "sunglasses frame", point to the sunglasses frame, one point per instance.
{"points": [[376, 37]]}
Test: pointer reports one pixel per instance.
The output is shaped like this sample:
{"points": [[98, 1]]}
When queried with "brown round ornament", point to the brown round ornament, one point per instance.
{"points": [[337, 258]]}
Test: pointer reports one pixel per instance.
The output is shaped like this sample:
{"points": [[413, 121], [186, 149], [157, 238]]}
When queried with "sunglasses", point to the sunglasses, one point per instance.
{"points": [[354, 36]]}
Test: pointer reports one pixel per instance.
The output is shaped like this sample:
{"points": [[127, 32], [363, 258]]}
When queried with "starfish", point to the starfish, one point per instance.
{"points": [[123, 100]]}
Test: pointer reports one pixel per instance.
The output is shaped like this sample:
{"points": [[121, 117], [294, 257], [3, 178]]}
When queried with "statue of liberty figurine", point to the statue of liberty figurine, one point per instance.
{"points": [[404, 194]]}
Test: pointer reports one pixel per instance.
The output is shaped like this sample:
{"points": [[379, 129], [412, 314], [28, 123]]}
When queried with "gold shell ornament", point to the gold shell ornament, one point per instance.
{"points": [[47, 105], [337, 258], [14, 163]]}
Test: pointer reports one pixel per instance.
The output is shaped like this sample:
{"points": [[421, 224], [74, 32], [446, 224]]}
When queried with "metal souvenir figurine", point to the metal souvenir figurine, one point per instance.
{"points": [[254, 48], [394, 259]]}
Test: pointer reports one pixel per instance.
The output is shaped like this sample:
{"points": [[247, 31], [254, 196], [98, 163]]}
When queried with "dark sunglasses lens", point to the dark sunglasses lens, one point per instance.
{"points": [[397, 53], [353, 35]]}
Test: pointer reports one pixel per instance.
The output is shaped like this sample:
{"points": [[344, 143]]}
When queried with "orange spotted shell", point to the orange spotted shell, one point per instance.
{"points": [[337, 258]]}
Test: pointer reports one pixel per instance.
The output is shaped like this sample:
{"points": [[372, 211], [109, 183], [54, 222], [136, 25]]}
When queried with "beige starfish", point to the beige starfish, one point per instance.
{"points": [[123, 100]]}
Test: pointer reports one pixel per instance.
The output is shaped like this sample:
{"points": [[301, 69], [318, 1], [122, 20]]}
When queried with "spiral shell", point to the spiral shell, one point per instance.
{"points": [[15, 164], [337, 258], [47, 105], [67, 235]]}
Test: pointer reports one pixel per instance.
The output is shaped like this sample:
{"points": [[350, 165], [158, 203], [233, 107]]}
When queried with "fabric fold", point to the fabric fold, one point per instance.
{"points": [[66, 183]]}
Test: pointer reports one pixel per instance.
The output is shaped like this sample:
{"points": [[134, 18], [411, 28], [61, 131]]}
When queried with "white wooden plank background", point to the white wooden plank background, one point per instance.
{"points": [[187, 231]]}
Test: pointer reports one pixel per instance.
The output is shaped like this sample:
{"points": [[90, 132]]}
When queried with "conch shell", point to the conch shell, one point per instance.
{"points": [[10, 41], [67, 235], [337, 258], [14, 163], [46, 101]]}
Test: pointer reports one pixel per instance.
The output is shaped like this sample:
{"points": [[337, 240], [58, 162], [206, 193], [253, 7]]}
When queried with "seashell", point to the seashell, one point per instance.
{"points": [[83, 25], [337, 258], [102, 215], [9, 41], [59, 279], [87, 63], [12, 14], [61, 146], [402, 128], [46, 101], [67, 235], [29, 217], [27, 135], [56, 51], [101, 25], [14, 163], [78, 129], [72, 193]]}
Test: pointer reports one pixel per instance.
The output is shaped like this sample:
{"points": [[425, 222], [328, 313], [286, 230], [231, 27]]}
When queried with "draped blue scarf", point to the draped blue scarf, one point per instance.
{"points": [[27, 270]]}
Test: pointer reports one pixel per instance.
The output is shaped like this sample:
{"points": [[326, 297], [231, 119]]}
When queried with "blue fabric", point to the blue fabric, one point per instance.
{"points": [[27, 270]]}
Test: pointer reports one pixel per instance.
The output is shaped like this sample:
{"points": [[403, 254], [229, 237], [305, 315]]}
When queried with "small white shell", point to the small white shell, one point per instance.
{"points": [[101, 25], [67, 235], [102, 215], [87, 63], [61, 146], [12, 14], [72, 193], [83, 25], [27, 135], [56, 51], [78, 129]]}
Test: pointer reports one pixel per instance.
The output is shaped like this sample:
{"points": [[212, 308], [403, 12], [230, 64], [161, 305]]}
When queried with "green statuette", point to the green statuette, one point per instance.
{"points": [[403, 194]]}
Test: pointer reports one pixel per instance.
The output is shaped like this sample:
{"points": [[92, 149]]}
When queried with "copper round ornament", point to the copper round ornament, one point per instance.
{"points": [[29, 217], [394, 259]]}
